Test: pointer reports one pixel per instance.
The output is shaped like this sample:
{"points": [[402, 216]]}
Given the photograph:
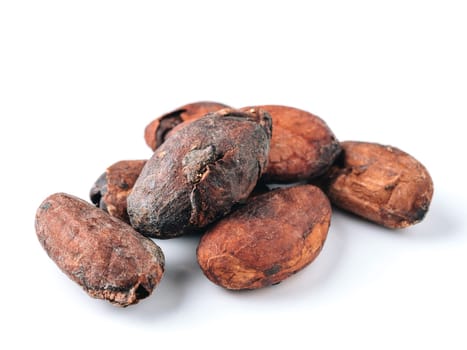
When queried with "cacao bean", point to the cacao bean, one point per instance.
{"points": [[105, 256], [380, 183], [157, 131], [302, 145], [111, 189], [271, 237], [200, 172]]}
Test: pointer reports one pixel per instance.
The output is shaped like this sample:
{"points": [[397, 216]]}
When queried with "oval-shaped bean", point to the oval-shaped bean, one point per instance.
{"points": [[156, 131], [380, 183], [302, 145], [271, 237], [105, 256], [111, 189], [200, 172]]}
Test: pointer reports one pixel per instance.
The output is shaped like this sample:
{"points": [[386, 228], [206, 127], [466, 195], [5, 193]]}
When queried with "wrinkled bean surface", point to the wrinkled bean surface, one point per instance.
{"points": [[380, 183], [111, 189], [157, 131], [105, 256], [271, 237], [200, 172], [302, 145]]}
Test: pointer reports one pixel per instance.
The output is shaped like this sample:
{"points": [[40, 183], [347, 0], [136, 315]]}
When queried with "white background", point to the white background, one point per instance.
{"points": [[80, 80]]}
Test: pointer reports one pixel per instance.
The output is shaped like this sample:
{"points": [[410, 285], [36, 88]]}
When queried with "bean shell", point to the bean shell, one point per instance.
{"points": [[200, 173], [105, 256], [111, 189], [380, 183], [302, 145], [271, 237], [157, 131]]}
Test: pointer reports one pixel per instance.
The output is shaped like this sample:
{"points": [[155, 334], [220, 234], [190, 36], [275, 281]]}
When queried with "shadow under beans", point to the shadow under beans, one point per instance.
{"points": [[347, 233], [441, 223], [180, 268]]}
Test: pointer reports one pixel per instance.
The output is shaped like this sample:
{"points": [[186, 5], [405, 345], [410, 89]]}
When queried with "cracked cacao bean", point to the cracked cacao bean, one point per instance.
{"points": [[302, 145], [271, 237], [111, 189], [380, 183], [157, 131], [105, 256], [200, 172]]}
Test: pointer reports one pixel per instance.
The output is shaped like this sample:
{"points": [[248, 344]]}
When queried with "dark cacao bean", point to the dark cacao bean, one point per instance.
{"points": [[200, 172], [111, 189], [380, 183], [271, 237], [156, 131], [105, 256]]}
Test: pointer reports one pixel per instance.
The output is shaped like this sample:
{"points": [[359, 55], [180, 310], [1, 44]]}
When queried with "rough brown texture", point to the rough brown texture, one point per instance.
{"points": [[156, 131], [270, 238], [200, 172], [112, 188], [102, 254], [380, 183], [302, 145]]}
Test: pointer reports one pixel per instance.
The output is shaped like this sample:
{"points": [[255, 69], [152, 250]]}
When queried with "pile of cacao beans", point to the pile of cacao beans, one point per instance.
{"points": [[256, 184]]}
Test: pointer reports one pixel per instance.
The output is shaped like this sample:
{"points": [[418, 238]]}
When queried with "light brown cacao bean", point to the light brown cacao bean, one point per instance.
{"points": [[105, 256], [271, 237], [380, 183]]}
